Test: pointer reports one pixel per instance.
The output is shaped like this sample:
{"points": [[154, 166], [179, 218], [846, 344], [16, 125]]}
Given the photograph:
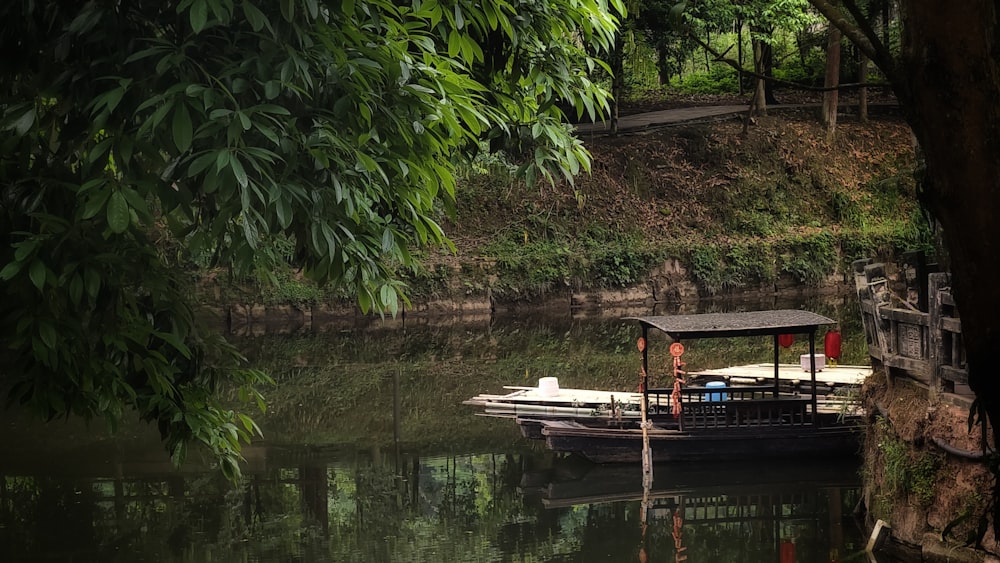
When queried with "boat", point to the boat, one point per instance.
{"points": [[758, 411]]}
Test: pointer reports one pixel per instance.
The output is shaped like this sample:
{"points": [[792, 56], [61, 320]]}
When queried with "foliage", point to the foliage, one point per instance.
{"points": [[810, 258], [736, 266], [141, 136], [707, 267], [903, 472], [719, 80], [595, 257]]}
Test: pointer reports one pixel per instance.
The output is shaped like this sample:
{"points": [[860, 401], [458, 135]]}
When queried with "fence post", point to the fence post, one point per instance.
{"points": [[936, 352]]}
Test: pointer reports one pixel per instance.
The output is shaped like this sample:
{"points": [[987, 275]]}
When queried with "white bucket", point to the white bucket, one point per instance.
{"points": [[548, 386]]}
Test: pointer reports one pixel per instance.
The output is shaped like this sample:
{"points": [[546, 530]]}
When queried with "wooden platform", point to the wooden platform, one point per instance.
{"points": [[831, 376]]}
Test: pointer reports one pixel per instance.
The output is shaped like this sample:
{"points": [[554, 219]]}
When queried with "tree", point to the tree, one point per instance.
{"points": [[140, 138], [946, 76]]}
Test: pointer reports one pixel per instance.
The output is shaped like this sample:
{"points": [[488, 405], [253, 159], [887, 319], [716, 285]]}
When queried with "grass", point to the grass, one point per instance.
{"points": [[905, 471]]}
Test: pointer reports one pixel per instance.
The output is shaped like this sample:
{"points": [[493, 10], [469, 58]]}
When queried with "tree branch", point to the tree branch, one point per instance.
{"points": [[860, 34], [720, 57]]}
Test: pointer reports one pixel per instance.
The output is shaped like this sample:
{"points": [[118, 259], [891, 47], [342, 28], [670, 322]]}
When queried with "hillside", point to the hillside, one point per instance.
{"points": [[731, 212], [672, 213]]}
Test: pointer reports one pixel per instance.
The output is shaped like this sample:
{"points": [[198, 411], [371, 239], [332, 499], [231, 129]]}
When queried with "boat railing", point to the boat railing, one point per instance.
{"points": [[739, 406], [781, 411]]}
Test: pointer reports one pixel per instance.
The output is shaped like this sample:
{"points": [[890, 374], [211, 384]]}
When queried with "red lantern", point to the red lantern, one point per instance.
{"points": [[786, 340], [831, 344], [787, 551]]}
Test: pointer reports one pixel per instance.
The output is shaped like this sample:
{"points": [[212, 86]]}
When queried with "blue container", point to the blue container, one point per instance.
{"points": [[715, 397]]}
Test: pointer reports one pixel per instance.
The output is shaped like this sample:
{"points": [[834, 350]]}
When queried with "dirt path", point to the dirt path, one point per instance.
{"points": [[650, 119]]}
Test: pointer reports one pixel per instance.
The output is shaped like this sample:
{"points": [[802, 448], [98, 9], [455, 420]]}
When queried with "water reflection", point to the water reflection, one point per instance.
{"points": [[767, 512], [341, 479], [303, 505]]}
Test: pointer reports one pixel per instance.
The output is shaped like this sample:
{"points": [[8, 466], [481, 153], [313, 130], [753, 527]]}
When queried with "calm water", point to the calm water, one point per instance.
{"points": [[340, 478]]}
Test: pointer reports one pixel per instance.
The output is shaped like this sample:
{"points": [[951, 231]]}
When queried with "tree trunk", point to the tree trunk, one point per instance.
{"points": [[708, 41], [662, 68], [739, 52], [948, 85], [758, 104], [767, 69], [831, 81], [617, 62], [863, 91]]}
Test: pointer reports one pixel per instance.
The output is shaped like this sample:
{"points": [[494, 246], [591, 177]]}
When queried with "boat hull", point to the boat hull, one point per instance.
{"points": [[624, 445]]}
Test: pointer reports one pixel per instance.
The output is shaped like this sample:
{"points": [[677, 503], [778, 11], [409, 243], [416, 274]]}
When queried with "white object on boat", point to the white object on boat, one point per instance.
{"points": [[820, 362], [548, 386]]}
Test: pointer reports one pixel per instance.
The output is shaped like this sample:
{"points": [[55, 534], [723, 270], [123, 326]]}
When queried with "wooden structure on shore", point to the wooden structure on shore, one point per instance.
{"points": [[912, 327]]}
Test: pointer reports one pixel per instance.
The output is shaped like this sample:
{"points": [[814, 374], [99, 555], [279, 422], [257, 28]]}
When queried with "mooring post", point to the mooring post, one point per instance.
{"points": [[812, 372]]}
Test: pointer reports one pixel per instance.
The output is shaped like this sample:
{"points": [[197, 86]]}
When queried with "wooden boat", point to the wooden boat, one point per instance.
{"points": [[735, 416]]}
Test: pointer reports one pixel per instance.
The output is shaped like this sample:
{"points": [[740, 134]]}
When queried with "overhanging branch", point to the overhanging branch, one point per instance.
{"points": [[860, 33], [720, 57]]}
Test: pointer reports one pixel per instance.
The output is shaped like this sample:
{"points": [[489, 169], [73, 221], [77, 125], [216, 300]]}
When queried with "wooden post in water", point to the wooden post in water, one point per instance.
{"points": [[777, 359], [812, 372]]}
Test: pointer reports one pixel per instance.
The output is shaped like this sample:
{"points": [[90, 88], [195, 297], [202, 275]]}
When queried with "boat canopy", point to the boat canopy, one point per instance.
{"points": [[722, 325]]}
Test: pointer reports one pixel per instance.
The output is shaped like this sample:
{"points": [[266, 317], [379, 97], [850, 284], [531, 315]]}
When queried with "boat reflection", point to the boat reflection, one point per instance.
{"points": [[774, 512]]}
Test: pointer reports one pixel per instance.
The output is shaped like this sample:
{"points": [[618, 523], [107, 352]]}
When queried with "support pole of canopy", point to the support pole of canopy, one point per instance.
{"points": [[777, 359], [812, 370], [647, 455]]}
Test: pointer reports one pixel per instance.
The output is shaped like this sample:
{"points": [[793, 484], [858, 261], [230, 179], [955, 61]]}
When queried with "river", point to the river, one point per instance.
{"points": [[339, 478]]}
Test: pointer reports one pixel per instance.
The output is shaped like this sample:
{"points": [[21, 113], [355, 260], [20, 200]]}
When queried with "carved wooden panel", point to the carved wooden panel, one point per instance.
{"points": [[910, 340]]}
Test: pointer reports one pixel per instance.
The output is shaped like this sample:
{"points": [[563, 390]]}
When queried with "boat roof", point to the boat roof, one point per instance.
{"points": [[747, 323]]}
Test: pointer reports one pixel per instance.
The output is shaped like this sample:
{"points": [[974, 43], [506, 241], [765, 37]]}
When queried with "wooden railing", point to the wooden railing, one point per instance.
{"points": [[740, 406], [913, 332]]}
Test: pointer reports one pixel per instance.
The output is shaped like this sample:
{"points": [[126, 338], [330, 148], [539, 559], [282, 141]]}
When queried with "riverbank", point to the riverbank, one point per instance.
{"points": [[671, 215]]}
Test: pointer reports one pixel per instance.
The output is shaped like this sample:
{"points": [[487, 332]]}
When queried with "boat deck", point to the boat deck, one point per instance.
{"points": [[754, 379], [831, 376]]}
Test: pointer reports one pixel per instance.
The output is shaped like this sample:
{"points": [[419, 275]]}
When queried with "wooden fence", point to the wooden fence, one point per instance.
{"points": [[913, 332]]}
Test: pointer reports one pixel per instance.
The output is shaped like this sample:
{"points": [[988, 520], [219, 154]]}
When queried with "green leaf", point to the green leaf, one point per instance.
{"points": [[454, 43], [95, 203], [25, 249], [284, 212], [272, 88], [23, 124], [76, 289], [10, 270], [387, 295], [198, 15], [92, 280], [37, 274], [238, 171], [288, 9], [201, 163], [253, 14], [182, 128], [47, 332], [136, 202], [175, 342], [388, 241], [313, 7], [118, 213]]}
